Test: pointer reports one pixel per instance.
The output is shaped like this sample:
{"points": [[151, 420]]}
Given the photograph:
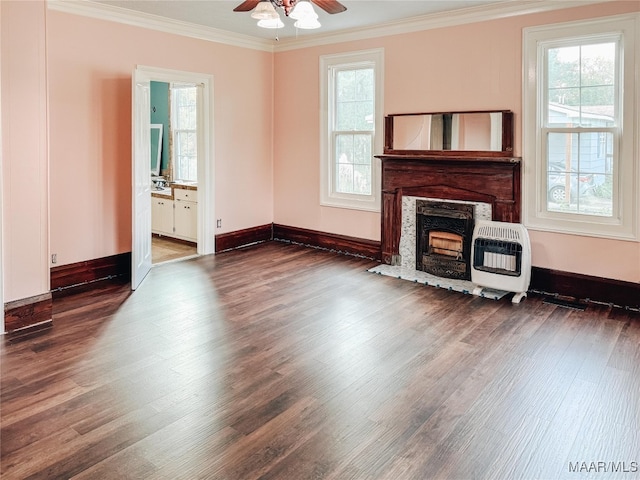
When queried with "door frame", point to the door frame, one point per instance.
{"points": [[206, 237], [2, 331]]}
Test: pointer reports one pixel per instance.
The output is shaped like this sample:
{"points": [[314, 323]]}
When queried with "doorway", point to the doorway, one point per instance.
{"points": [[174, 169], [199, 223]]}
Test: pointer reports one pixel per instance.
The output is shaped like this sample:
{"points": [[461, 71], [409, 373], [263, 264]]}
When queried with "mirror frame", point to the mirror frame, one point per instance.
{"points": [[507, 137], [156, 148]]}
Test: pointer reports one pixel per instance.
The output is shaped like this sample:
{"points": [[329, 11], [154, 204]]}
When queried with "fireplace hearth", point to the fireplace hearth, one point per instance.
{"points": [[443, 238]]}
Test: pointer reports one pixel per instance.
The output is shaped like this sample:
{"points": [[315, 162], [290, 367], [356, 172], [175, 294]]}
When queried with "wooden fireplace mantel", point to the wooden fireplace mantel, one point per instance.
{"points": [[491, 179]]}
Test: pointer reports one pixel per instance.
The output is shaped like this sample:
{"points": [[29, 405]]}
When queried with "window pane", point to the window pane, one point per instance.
{"points": [[184, 118], [364, 84], [185, 105], [354, 99], [595, 152], [346, 86], [598, 64], [353, 163], [186, 149], [362, 179], [346, 116], [581, 85], [579, 173], [354, 115], [564, 67]]}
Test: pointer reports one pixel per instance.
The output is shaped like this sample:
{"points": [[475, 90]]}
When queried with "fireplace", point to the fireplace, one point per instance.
{"points": [[434, 241], [443, 238]]}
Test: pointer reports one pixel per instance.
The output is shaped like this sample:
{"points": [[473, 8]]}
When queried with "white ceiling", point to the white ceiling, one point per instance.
{"points": [[360, 14]]}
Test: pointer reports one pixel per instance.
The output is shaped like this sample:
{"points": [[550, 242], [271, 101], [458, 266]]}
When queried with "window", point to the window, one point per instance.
{"points": [[184, 126], [351, 132], [580, 128]]}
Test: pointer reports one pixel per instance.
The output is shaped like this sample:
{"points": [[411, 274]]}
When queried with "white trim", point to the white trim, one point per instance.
{"points": [[327, 63], [475, 14], [2, 330], [154, 22], [480, 13], [206, 180], [624, 224]]}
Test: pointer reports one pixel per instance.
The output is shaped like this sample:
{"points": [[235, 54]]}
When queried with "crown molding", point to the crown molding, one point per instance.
{"points": [[154, 22], [481, 13]]}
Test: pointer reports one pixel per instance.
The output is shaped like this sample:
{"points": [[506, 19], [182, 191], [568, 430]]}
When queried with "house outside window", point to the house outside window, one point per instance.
{"points": [[580, 128], [351, 129]]}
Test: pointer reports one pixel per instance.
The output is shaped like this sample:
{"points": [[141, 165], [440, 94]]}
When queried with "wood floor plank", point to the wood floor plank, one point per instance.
{"points": [[279, 361]]}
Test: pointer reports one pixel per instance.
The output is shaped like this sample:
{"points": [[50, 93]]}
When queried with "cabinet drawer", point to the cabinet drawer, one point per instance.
{"points": [[185, 195]]}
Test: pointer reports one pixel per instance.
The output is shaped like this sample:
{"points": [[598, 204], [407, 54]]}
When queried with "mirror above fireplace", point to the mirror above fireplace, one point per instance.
{"points": [[465, 134]]}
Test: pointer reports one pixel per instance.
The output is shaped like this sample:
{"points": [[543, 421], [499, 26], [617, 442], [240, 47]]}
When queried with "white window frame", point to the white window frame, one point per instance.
{"points": [[623, 224], [329, 64]]}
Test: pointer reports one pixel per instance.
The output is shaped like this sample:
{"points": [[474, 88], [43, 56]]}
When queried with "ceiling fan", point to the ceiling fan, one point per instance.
{"points": [[330, 6]]}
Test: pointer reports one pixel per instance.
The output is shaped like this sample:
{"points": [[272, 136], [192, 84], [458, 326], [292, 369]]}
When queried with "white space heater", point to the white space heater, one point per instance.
{"points": [[501, 257]]}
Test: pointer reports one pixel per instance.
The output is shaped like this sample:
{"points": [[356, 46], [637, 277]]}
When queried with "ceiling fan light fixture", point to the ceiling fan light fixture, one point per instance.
{"points": [[271, 23], [302, 11], [265, 11], [307, 23]]}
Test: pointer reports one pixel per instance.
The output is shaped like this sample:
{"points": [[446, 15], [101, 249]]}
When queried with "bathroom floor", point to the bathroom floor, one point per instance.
{"points": [[164, 249]]}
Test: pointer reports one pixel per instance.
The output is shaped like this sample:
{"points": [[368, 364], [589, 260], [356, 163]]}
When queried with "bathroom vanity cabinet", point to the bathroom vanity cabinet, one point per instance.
{"points": [[162, 216], [174, 213], [185, 214]]}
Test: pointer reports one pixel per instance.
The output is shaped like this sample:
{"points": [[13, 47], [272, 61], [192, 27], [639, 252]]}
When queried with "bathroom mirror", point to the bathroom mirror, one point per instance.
{"points": [[459, 133], [156, 148]]}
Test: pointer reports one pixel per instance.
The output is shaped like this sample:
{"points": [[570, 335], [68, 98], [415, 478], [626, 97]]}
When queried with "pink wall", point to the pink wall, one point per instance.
{"points": [[90, 63], [24, 150], [427, 71]]}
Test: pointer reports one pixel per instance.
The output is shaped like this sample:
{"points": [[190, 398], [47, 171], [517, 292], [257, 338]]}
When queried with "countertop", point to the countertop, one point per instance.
{"points": [[167, 192]]}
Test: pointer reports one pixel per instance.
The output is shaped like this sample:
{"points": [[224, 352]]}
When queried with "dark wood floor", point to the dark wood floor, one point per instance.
{"points": [[285, 362]]}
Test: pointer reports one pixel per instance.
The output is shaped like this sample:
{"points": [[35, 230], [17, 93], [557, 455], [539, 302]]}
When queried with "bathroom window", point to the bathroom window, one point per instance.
{"points": [[184, 116]]}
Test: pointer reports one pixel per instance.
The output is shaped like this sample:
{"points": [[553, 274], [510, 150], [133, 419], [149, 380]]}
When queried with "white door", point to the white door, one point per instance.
{"points": [[141, 179]]}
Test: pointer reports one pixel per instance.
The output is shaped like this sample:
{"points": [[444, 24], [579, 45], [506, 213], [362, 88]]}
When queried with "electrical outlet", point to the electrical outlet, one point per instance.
{"points": [[219, 223], [54, 258]]}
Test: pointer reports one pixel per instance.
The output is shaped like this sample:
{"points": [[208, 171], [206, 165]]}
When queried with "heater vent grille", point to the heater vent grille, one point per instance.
{"points": [[499, 232], [497, 256]]}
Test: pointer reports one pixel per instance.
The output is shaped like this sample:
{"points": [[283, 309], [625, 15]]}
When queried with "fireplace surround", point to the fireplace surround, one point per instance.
{"points": [[488, 180]]}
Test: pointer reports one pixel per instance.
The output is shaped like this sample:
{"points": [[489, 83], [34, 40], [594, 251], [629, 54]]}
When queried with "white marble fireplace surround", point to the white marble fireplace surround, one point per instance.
{"points": [[407, 249]]}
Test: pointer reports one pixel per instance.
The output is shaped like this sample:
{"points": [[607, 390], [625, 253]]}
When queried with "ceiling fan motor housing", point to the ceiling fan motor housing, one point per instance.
{"points": [[287, 5]]}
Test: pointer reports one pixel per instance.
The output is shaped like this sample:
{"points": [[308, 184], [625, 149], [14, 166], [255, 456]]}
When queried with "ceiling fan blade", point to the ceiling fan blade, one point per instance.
{"points": [[330, 6], [246, 6]]}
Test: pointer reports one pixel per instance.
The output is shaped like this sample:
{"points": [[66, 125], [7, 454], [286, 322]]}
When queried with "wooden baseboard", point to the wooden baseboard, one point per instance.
{"points": [[331, 241], [35, 310], [82, 273], [28, 312], [585, 287], [239, 238]]}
